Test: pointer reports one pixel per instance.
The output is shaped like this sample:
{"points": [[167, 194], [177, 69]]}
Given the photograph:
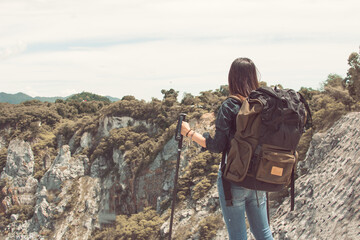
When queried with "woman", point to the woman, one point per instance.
{"points": [[242, 80]]}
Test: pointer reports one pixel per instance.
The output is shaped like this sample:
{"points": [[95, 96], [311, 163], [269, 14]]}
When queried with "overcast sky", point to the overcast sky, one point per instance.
{"points": [[138, 47]]}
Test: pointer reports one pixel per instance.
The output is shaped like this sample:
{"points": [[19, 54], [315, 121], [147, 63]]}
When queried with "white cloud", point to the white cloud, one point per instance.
{"points": [[12, 50], [140, 47]]}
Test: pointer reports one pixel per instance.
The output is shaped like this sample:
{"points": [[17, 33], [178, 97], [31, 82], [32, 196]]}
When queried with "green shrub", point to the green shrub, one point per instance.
{"points": [[201, 188], [141, 226], [200, 173], [326, 111], [25, 212], [184, 184], [209, 226]]}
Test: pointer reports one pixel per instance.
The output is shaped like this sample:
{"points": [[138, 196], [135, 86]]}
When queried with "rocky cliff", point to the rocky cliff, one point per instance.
{"points": [[21, 185], [77, 195], [327, 191]]}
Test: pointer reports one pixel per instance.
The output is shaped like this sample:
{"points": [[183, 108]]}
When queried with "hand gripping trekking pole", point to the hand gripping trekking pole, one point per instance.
{"points": [[179, 138]]}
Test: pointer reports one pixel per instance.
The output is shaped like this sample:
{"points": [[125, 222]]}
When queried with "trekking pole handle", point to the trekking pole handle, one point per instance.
{"points": [[178, 135]]}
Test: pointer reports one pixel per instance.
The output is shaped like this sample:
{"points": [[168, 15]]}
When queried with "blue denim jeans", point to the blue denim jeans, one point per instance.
{"points": [[244, 200]]}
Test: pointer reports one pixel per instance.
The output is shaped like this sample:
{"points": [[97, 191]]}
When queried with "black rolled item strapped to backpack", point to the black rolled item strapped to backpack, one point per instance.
{"points": [[262, 154]]}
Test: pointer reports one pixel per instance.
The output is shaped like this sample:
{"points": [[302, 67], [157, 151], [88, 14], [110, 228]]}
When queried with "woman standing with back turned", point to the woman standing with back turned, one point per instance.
{"points": [[242, 80]]}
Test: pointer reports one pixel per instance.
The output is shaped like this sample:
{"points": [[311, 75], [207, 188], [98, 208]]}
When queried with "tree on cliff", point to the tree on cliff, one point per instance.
{"points": [[334, 86], [170, 97], [352, 79]]}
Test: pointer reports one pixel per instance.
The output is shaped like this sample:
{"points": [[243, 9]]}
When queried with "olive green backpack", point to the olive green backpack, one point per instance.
{"points": [[262, 154]]}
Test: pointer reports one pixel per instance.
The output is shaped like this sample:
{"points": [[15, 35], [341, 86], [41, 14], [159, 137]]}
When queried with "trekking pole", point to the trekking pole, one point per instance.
{"points": [[179, 138]]}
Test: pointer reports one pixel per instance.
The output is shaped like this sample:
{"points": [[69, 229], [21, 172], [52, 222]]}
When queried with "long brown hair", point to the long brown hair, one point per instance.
{"points": [[242, 77]]}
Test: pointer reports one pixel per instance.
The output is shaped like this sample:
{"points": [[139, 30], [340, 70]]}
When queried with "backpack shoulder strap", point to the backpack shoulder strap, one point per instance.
{"points": [[226, 184]]}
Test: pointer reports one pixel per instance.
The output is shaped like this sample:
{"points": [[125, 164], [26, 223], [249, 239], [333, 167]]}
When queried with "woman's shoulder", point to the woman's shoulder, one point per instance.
{"points": [[231, 105]]}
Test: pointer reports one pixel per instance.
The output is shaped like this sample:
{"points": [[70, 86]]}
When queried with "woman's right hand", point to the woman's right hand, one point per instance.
{"points": [[185, 128]]}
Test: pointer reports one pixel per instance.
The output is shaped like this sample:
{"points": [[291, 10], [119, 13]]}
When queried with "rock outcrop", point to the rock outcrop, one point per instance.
{"points": [[18, 174], [327, 194], [108, 123], [20, 161], [67, 201], [64, 171], [121, 193]]}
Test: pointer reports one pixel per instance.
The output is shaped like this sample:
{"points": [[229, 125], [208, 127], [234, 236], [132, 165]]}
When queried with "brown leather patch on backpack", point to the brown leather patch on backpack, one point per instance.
{"points": [[277, 171]]}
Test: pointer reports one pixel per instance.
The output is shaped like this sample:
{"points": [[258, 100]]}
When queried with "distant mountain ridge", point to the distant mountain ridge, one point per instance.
{"points": [[14, 98], [20, 97]]}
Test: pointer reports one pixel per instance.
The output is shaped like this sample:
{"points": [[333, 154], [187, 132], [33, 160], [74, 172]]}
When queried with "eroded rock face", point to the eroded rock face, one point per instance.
{"points": [[67, 201], [18, 173], [20, 160], [63, 168], [86, 140], [110, 122], [155, 183], [121, 193], [82, 219], [99, 167], [327, 196]]}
